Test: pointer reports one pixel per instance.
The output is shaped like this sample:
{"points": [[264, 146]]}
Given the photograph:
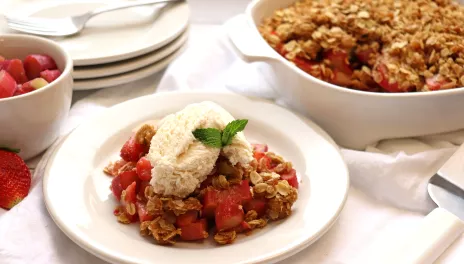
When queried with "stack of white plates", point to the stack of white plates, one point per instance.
{"points": [[120, 46]]}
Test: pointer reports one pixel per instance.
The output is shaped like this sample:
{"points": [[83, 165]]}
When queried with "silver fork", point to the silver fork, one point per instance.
{"points": [[59, 27]]}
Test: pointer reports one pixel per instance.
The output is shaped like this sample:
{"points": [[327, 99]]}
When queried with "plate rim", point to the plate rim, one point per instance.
{"points": [[270, 259], [128, 77], [147, 58]]}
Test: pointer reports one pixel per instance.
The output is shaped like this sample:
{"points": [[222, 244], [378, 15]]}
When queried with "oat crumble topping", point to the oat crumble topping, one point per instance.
{"points": [[374, 45]]}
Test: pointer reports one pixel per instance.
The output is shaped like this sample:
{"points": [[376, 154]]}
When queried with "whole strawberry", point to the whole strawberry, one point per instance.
{"points": [[15, 179]]}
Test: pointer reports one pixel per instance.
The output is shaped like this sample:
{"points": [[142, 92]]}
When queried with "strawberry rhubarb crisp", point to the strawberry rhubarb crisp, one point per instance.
{"points": [[194, 175], [374, 45]]}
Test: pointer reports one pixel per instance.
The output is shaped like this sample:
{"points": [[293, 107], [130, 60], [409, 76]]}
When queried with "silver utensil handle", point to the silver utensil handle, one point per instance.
{"points": [[438, 231], [123, 5]]}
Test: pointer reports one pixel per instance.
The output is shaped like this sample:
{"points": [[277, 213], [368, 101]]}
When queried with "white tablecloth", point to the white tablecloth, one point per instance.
{"points": [[385, 202]]}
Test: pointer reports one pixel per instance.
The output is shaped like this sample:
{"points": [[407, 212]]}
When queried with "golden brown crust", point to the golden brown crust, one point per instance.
{"points": [[416, 40]]}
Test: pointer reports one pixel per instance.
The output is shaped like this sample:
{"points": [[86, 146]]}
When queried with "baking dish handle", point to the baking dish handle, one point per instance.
{"points": [[245, 43]]}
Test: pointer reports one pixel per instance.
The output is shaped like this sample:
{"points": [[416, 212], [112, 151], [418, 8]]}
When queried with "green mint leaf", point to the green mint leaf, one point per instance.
{"points": [[209, 136], [15, 150], [232, 129]]}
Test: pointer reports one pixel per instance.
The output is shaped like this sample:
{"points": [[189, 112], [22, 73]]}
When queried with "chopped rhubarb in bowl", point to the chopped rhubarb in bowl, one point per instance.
{"points": [[35, 92]]}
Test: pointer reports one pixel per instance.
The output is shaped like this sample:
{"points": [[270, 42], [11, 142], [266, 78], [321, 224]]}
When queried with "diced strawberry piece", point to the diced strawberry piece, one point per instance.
{"points": [[291, 178], [365, 55], [116, 187], [130, 194], [130, 198], [267, 162], [258, 205], [141, 189], [228, 215], [383, 81], [187, 218], [210, 201], [16, 69], [194, 231], [436, 82], [339, 60], [37, 63], [133, 151], [34, 84], [143, 212], [127, 178], [305, 65], [258, 155], [259, 147], [24, 88], [50, 75], [7, 85], [243, 227], [239, 193], [144, 169]]}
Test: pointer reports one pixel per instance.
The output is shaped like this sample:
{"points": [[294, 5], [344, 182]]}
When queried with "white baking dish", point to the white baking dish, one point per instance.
{"points": [[353, 118]]}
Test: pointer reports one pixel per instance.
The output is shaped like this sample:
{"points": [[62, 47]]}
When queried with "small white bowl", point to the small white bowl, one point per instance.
{"points": [[32, 121]]}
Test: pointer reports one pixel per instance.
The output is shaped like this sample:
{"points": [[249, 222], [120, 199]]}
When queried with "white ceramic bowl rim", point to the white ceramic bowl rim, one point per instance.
{"points": [[67, 69], [249, 17]]}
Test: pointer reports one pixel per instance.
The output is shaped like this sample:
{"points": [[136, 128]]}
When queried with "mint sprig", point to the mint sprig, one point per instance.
{"points": [[209, 136], [216, 138]]}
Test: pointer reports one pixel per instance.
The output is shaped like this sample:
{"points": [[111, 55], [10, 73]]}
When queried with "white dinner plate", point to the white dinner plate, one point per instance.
{"points": [[78, 197], [111, 36], [97, 83], [109, 69]]}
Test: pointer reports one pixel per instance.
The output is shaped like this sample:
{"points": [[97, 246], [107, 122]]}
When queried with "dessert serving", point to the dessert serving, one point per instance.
{"points": [[194, 175], [377, 46]]}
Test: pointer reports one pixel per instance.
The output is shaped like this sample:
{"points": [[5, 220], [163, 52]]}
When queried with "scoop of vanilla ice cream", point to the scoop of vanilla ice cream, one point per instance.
{"points": [[181, 162]]}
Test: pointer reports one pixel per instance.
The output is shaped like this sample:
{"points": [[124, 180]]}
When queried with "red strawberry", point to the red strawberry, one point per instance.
{"points": [[187, 218], [133, 151], [142, 186], [258, 205], [228, 215], [210, 201], [291, 178], [50, 75], [36, 63], [116, 187], [194, 231], [143, 212], [128, 177], [436, 82], [144, 169], [15, 179], [16, 69]]}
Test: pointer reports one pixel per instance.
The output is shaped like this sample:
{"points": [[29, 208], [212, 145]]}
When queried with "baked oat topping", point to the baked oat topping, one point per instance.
{"points": [[239, 198], [375, 45], [145, 134], [225, 237]]}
